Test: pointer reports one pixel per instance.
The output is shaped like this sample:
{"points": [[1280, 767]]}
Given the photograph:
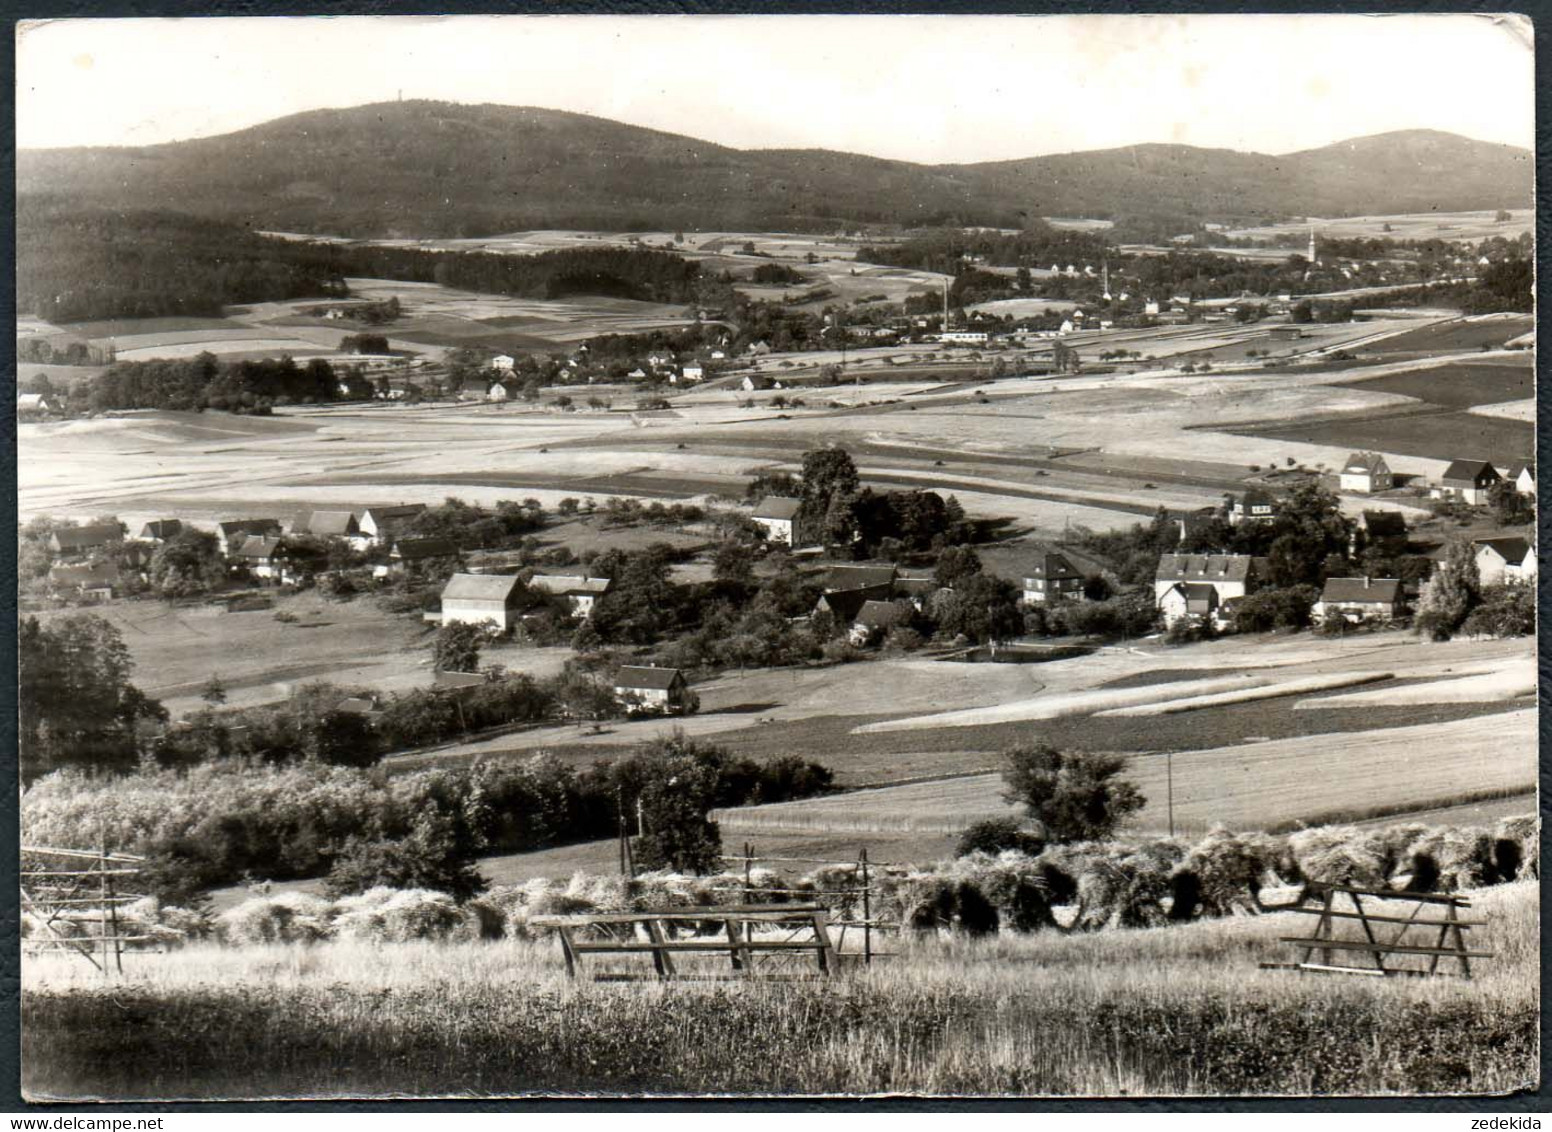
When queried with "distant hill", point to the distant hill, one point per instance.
{"points": [[440, 169]]}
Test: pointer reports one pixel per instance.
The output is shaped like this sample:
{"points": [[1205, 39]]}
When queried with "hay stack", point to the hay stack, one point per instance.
{"points": [[388, 915], [1221, 875], [1517, 847], [1339, 854], [290, 917], [1454, 858]]}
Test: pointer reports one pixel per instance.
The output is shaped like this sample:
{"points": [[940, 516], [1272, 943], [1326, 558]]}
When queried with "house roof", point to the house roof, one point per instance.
{"points": [[1511, 549], [1365, 462], [1469, 471], [398, 511], [879, 614], [480, 587], [639, 676], [247, 527], [412, 549], [777, 507], [356, 705], [442, 679], [844, 605], [161, 528], [258, 546], [1517, 470], [1208, 567], [569, 584], [1385, 524], [858, 577], [92, 574], [1256, 497], [83, 538], [326, 523], [916, 585], [1051, 565], [1376, 591]]}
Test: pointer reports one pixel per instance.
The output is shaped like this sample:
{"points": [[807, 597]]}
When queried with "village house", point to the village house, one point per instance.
{"points": [[873, 581], [964, 337], [482, 599], [873, 621], [778, 516], [326, 524], [1467, 481], [1255, 506], [265, 558], [377, 526], [1359, 600], [35, 405], [412, 553], [76, 542], [693, 373], [1510, 559], [1195, 601], [651, 691], [503, 363], [580, 592], [1230, 576], [1523, 477], [160, 530], [1366, 473], [1050, 577], [234, 532], [92, 582], [497, 392], [458, 682]]}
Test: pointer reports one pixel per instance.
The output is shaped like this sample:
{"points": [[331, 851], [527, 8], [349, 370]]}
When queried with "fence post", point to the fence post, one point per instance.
{"points": [[867, 912], [102, 909], [748, 872]]}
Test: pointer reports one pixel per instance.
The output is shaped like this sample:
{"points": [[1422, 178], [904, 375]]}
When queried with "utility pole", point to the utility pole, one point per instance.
{"points": [[1169, 777]]}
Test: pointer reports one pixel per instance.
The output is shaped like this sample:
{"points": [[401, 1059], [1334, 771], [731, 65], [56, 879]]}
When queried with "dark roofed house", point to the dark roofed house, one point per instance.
{"points": [[234, 532], [326, 524], [873, 620], [1385, 531], [263, 558], [91, 582], [1050, 576], [1189, 600], [1523, 477], [842, 605], [644, 690], [1510, 559], [1359, 600], [408, 553], [160, 530], [481, 599], [1367, 473], [1468, 481], [580, 591], [378, 525], [1255, 506], [877, 580], [83, 540], [778, 515]]}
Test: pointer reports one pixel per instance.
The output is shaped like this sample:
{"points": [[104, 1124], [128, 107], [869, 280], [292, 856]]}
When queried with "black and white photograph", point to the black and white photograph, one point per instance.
{"points": [[776, 556]]}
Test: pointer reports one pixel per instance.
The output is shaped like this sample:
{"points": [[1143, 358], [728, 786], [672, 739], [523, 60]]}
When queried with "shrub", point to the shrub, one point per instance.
{"points": [[1075, 796], [998, 835], [290, 917], [430, 857]]}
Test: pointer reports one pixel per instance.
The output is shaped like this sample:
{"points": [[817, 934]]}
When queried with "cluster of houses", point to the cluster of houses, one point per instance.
{"points": [[500, 601], [1464, 481]]}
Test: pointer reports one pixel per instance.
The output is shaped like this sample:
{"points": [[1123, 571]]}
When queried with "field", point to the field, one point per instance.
{"points": [[1458, 385], [1468, 334], [1472, 226], [1437, 436], [1164, 1011]]}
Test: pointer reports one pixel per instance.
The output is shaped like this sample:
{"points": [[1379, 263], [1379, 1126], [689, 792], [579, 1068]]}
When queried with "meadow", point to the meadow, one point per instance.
{"points": [[1178, 1010], [1435, 435]]}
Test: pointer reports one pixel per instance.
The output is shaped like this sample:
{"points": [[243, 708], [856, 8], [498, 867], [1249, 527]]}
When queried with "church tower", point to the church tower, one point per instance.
{"points": [[1313, 262]]}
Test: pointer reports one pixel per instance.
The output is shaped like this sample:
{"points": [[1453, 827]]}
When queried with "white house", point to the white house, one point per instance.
{"points": [[580, 591], [1523, 476], [1050, 577], [482, 599], [503, 363], [651, 691], [1511, 559], [497, 392], [376, 526], [965, 337], [778, 515], [1229, 576], [1359, 600], [1366, 473], [1190, 600], [693, 373], [1468, 481]]}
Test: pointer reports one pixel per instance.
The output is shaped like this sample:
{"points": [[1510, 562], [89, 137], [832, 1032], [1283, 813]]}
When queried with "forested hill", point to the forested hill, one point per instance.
{"points": [[441, 169]]}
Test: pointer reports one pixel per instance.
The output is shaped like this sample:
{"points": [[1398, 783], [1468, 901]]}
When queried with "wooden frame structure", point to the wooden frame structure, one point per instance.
{"points": [[79, 887], [621, 933], [1385, 936]]}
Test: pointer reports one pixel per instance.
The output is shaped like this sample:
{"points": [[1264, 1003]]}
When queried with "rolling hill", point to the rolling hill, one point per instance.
{"points": [[441, 169]]}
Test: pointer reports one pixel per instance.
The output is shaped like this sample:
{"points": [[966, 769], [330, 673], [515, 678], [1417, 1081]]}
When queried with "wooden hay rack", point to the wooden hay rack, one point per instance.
{"points": [[777, 935], [65, 892], [1389, 944]]}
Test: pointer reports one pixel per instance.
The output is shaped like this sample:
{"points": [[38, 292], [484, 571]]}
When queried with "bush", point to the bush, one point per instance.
{"points": [[430, 857], [998, 835], [1075, 796]]}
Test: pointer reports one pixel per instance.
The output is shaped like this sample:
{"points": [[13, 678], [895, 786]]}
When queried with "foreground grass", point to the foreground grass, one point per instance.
{"points": [[1164, 1011]]}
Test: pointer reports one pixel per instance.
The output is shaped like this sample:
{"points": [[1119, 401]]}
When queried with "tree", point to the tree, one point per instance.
{"points": [[680, 782], [456, 647], [1511, 507], [983, 607], [188, 564], [955, 565], [1450, 594], [432, 856], [827, 473], [733, 562], [75, 704], [1075, 796], [214, 691]]}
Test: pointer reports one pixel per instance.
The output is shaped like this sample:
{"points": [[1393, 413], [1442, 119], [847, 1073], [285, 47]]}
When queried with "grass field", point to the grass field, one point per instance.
{"points": [[1458, 385], [1437, 436], [1451, 336], [1163, 1011], [1246, 786]]}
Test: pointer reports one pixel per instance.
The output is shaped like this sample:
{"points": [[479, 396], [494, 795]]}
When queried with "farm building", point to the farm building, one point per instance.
{"points": [[874, 619], [482, 599], [378, 525], [873, 581], [579, 590], [160, 530], [843, 605], [964, 337], [1468, 481], [1189, 601], [1255, 506], [1366, 473], [778, 515], [326, 524], [234, 532], [1510, 559], [75, 541], [92, 583], [1523, 477], [655, 691], [263, 557], [497, 392], [1050, 577], [503, 363], [693, 373], [414, 553], [1230, 575], [1359, 600], [755, 382], [35, 405]]}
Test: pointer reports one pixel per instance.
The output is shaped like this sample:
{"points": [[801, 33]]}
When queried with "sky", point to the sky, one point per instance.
{"points": [[917, 88]]}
